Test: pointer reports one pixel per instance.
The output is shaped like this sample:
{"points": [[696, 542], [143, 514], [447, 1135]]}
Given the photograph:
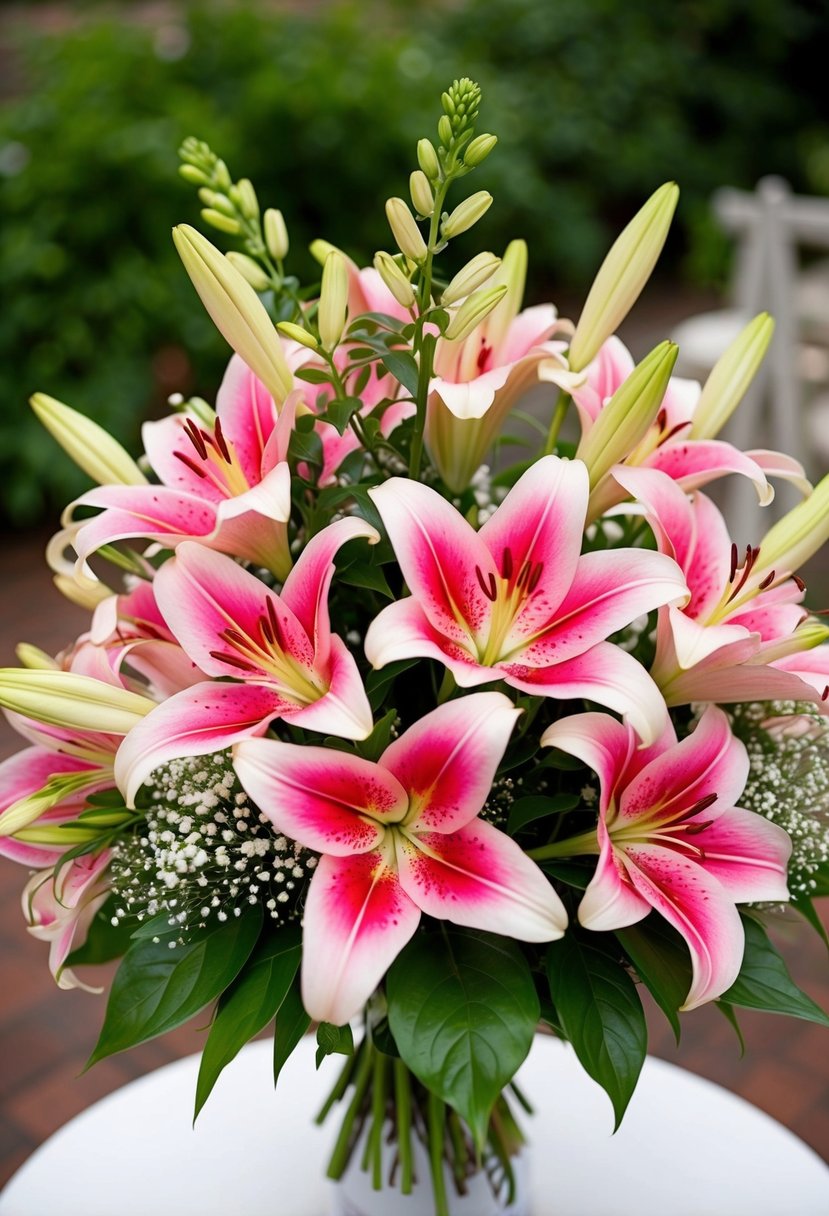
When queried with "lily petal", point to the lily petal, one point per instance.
{"points": [[696, 462], [602, 743], [610, 900], [748, 855], [402, 631]]}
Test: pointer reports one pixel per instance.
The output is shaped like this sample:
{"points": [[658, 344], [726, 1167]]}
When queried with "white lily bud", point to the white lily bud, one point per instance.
{"points": [[276, 234], [251, 270], [61, 698], [622, 275], [320, 249], [479, 149], [394, 279], [472, 275], [625, 420], [466, 214], [445, 130], [297, 334], [473, 310], [427, 158], [405, 231], [236, 309], [91, 447], [333, 305], [35, 658], [730, 377], [421, 192], [224, 223]]}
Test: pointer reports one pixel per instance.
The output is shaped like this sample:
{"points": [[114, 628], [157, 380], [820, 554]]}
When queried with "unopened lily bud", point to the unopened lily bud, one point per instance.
{"points": [[320, 249], [479, 149], [797, 536], [467, 213], [625, 420], [333, 304], [730, 377], [473, 274], [622, 275], [421, 192], [251, 270], [473, 310], [405, 231], [297, 334], [94, 450], [276, 234], [61, 698], [445, 130], [394, 279], [221, 175], [224, 223], [244, 195], [427, 158], [193, 175], [236, 309], [35, 658]]}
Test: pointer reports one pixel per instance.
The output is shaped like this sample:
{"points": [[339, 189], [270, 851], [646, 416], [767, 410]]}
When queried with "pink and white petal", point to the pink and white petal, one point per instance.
{"points": [[527, 331], [610, 900], [479, 877], [699, 908], [271, 497], [276, 447], [305, 591], [778, 464], [610, 588], [607, 372], [538, 529], [206, 718], [694, 642], [402, 631], [202, 594], [166, 668], [725, 685], [680, 401], [772, 621], [711, 760], [357, 920], [342, 709], [253, 538], [443, 559], [328, 800], [601, 742], [247, 413], [747, 854], [28, 771], [447, 759], [667, 508], [694, 462], [471, 399], [368, 293], [150, 512], [604, 673], [708, 564], [162, 440]]}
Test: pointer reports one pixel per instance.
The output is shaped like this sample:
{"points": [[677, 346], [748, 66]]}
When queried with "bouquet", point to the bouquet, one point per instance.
{"points": [[376, 728]]}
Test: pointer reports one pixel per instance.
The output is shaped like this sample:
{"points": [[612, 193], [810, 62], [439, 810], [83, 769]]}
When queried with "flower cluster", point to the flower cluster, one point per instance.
{"points": [[337, 671]]}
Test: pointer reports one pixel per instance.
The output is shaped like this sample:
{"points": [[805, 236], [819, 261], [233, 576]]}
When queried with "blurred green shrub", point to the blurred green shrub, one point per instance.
{"points": [[595, 103]]}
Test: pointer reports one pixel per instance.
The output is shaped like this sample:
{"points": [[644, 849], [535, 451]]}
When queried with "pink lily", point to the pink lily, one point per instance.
{"points": [[278, 649], [668, 445], [670, 838], [59, 909], [741, 634], [516, 601], [227, 486], [398, 838], [479, 378]]}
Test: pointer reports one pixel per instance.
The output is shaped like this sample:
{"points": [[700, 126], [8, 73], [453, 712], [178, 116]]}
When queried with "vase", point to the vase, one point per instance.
{"points": [[353, 1194]]}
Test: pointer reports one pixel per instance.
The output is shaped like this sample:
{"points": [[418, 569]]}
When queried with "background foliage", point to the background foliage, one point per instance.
{"points": [[595, 103]]}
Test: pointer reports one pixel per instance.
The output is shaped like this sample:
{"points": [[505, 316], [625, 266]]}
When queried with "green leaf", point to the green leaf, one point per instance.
{"points": [[601, 1014], [156, 989], [248, 1006], [764, 982], [104, 941], [291, 1023], [462, 1008], [662, 962], [806, 907], [730, 1015], [156, 926], [340, 412], [403, 367], [527, 810], [379, 682], [366, 574], [333, 1040], [313, 375], [306, 446], [575, 873], [373, 747]]}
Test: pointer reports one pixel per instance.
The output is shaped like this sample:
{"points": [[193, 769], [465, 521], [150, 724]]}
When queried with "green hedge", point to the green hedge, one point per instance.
{"points": [[595, 102]]}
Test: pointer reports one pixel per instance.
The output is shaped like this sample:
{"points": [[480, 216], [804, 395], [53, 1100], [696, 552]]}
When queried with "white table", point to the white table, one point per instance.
{"points": [[686, 1148]]}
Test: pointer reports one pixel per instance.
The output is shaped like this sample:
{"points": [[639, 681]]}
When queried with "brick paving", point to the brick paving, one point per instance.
{"points": [[46, 1035]]}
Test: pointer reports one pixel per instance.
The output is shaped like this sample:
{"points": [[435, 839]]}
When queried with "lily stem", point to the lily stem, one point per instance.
{"points": [[403, 1098], [557, 419], [436, 1115], [587, 842]]}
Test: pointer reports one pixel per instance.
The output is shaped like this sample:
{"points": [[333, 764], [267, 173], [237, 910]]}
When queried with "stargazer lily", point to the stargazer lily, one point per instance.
{"points": [[228, 486], [670, 838], [398, 838], [516, 601], [479, 378], [743, 632], [278, 650]]}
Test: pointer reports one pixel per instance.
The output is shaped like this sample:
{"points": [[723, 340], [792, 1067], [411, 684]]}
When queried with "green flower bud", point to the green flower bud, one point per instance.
{"points": [[445, 130], [223, 222], [298, 334], [193, 175], [473, 274], [248, 203], [427, 158], [331, 313], [33, 657], [395, 279], [405, 231], [276, 234], [421, 192], [91, 447], [479, 149], [221, 176], [448, 104], [467, 213], [473, 310], [219, 202], [252, 271], [320, 249], [730, 377]]}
